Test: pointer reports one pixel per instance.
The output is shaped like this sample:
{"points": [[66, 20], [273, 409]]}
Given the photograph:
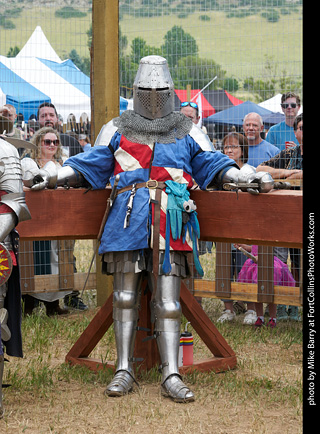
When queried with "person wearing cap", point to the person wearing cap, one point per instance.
{"points": [[84, 142]]}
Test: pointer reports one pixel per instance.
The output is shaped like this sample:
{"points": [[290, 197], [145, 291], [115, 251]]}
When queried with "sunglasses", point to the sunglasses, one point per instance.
{"points": [[286, 105], [48, 142], [191, 104]]}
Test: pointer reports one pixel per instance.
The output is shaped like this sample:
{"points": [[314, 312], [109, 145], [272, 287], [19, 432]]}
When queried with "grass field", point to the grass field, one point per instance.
{"points": [[262, 395], [239, 45]]}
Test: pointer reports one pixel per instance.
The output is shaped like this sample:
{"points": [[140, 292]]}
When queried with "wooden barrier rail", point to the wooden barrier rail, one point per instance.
{"points": [[272, 219], [269, 219]]}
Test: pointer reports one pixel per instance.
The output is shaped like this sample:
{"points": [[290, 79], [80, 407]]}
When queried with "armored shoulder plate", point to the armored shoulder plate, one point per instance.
{"points": [[11, 172], [201, 138], [106, 133], [11, 181]]}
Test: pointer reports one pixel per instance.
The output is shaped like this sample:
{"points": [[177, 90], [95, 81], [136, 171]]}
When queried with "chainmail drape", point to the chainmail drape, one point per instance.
{"points": [[147, 131]]}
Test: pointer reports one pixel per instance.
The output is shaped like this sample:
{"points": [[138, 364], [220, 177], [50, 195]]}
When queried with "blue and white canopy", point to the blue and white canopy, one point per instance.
{"points": [[37, 74]]}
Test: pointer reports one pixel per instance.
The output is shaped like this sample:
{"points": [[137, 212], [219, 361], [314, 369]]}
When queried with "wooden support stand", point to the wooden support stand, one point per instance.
{"points": [[224, 357], [223, 217]]}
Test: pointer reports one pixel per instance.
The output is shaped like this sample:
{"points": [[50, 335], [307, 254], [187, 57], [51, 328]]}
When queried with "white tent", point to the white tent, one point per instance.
{"points": [[38, 74], [274, 104], [28, 65], [39, 46]]}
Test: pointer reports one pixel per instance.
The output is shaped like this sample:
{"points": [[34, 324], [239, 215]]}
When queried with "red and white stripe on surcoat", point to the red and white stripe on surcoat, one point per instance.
{"points": [[133, 156]]}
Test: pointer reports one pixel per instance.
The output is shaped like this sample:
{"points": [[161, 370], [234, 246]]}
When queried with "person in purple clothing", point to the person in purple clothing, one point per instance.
{"points": [[259, 149], [282, 276], [282, 135]]}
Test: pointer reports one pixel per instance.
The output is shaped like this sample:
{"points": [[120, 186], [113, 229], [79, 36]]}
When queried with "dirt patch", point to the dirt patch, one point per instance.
{"points": [[260, 396]]}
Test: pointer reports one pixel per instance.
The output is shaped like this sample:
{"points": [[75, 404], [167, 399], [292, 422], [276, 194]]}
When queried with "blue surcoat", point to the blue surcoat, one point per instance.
{"points": [[184, 160]]}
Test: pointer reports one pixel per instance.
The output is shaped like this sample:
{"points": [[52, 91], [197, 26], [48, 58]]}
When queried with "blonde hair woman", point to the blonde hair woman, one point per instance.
{"points": [[48, 149]]}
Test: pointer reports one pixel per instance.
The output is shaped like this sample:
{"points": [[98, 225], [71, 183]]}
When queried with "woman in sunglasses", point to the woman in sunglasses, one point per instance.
{"points": [[282, 134], [48, 150], [48, 147]]}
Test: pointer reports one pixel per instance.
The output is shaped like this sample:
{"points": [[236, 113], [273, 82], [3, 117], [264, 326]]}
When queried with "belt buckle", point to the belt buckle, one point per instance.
{"points": [[152, 186]]}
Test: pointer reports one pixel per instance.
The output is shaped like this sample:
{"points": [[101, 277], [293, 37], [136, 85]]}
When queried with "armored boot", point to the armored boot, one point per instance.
{"points": [[167, 311], [1, 375], [125, 319], [5, 332]]}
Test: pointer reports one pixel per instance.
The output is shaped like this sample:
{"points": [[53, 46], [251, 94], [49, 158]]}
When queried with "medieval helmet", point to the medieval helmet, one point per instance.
{"points": [[153, 90]]}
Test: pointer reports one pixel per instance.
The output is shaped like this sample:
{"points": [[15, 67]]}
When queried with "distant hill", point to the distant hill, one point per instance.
{"points": [[234, 33]]}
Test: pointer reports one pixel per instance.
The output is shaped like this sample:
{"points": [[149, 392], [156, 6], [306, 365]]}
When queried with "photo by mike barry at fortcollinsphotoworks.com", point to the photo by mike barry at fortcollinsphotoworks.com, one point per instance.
{"points": [[310, 329]]}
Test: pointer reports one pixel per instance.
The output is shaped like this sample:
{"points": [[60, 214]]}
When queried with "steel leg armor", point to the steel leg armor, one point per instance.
{"points": [[166, 311], [13, 210], [126, 298], [167, 314], [1, 375]]}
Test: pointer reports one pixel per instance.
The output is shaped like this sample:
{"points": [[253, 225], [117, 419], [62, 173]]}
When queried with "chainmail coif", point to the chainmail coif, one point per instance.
{"points": [[147, 131]]}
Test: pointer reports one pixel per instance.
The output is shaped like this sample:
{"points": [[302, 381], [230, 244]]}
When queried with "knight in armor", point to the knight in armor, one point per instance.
{"points": [[13, 210], [154, 154]]}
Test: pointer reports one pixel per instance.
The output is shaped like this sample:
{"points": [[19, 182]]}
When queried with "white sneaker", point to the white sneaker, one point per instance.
{"points": [[250, 317], [227, 316]]}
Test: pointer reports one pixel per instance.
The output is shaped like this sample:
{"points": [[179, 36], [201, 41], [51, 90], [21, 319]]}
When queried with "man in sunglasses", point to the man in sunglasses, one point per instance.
{"points": [[282, 134], [191, 110]]}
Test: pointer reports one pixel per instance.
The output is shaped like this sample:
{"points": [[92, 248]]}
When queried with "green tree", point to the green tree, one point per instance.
{"points": [[178, 44], [83, 63], [13, 51], [198, 72], [139, 49]]}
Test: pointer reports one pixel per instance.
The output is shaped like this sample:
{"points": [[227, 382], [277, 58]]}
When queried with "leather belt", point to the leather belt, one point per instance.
{"points": [[158, 186], [151, 183]]}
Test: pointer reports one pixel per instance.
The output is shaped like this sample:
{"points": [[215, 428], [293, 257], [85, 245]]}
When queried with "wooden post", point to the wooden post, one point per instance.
{"points": [[105, 89], [265, 274], [27, 271], [188, 92], [66, 266], [105, 56], [223, 270]]}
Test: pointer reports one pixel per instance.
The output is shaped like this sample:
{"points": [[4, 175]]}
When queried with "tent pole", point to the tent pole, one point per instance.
{"points": [[200, 91]]}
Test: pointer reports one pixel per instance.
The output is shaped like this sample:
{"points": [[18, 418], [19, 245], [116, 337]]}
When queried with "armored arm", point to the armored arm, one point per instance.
{"points": [[51, 177], [13, 208], [246, 175]]}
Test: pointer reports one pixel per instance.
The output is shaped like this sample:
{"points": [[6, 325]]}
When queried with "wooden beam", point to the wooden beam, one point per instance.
{"points": [[50, 283], [248, 292], [273, 218], [223, 358]]}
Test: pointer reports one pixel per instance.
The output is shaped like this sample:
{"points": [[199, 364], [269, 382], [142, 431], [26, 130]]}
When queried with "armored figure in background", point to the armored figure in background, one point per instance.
{"points": [[13, 210], [154, 154]]}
